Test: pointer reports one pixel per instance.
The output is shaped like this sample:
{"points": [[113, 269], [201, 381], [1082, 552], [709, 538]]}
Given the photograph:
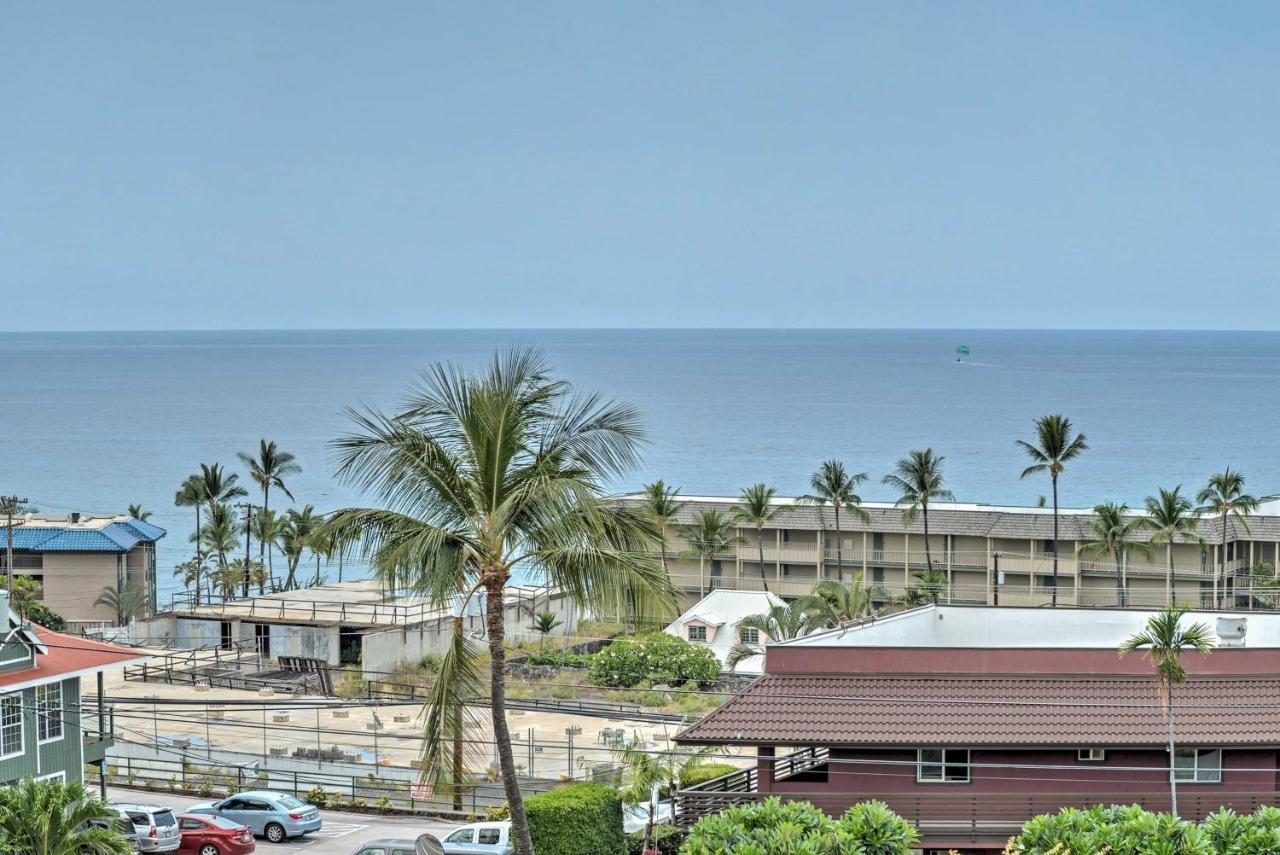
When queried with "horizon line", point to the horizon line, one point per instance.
{"points": [[728, 329]]}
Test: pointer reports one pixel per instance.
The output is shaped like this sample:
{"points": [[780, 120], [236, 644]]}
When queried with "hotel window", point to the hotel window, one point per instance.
{"points": [[942, 766], [49, 712], [1198, 765], [1048, 547], [748, 635], [10, 725], [697, 633]]}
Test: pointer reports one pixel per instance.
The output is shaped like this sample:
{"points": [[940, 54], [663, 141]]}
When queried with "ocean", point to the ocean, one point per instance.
{"points": [[96, 421]]}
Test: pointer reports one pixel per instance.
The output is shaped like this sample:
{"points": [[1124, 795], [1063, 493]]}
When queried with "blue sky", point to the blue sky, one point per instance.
{"points": [[1014, 164]]}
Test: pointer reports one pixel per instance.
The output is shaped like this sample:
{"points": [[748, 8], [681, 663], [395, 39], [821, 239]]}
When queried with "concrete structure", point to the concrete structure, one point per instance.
{"points": [[990, 555], [713, 621], [75, 556], [349, 623], [44, 730], [969, 720]]}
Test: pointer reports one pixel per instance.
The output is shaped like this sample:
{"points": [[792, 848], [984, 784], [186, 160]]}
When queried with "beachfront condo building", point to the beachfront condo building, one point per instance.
{"points": [[73, 558], [986, 555]]}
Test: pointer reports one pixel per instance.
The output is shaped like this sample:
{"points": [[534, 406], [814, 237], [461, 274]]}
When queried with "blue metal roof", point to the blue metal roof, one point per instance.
{"points": [[112, 537]]}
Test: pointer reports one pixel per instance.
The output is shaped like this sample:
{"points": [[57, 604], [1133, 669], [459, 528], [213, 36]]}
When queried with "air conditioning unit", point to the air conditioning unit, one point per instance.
{"points": [[1091, 755], [1231, 631]]}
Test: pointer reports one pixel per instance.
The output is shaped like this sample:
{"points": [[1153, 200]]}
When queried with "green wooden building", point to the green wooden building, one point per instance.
{"points": [[45, 729]]}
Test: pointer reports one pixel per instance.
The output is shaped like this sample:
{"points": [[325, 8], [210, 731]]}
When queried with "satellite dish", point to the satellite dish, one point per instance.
{"points": [[428, 844]]}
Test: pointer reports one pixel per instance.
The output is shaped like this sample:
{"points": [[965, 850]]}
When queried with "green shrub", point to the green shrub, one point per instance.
{"points": [[1129, 828], [666, 839], [578, 819], [869, 828], [653, 658], [707, 771], [553, 658]]}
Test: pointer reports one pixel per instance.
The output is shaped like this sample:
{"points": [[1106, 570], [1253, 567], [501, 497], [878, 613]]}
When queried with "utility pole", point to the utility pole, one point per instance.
{"points": [[10, 506], [248, 509]]}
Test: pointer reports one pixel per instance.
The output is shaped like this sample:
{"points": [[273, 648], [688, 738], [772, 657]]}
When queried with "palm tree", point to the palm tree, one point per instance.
{"points": [[267, 527], [642, 771], [219, 535], [780, 623], [929, 587], [833, 485], [227, 579], [128, 603], [191, 495], [138, 513], [219, 486], [711, 534], [757, 509], [268, 470], [1171, 517], [1115, 534], [545, 623], [259, 575], [1223, 497], [663, 506], [1055, 447], [918, 478], [300, 528], [52, 818], [837, 603], [1165, 640], [483, 475], [192, 574]]}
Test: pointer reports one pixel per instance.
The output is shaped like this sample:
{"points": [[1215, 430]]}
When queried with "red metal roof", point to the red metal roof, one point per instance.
{"points": [[966, 710], [68, 655]]}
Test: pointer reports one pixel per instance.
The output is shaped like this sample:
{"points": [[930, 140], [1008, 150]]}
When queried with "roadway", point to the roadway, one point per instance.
{"points": [[342, 834]]}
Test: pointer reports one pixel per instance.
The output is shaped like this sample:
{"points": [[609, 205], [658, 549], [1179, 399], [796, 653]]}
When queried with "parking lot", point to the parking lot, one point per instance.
{"points": [[342, 832]]}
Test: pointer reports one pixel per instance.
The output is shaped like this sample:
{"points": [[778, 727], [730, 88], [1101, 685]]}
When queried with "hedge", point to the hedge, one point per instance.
{"points": [[1125, 829], [773, 826], [654, 658], [702, 774], [577, 819], [666, 839]]}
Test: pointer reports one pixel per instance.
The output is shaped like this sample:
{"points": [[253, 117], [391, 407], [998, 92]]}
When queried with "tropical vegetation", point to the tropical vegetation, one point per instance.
{"points": [[773, 826], [1131, 829], [479, 476], [834, 485], [1056, 445], [918, 480], [653, 658], [1164, 641], [52, 818]]}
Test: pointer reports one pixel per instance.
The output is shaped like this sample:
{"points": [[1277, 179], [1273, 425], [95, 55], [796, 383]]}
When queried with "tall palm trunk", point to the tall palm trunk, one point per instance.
{"points": [[266, 505], [764, 579], [839, 545], [1168, 582], [1054, 593], [199, 551], [1173, 775], [1222, 565], [458, 770], [495, 619], [928, 558]]}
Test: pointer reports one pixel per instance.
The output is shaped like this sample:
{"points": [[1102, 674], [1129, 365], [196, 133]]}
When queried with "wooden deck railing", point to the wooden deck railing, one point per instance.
{"points": [[977, 816]]}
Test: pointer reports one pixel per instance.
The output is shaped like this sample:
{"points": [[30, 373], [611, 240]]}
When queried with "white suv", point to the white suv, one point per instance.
{"points": [[156, 827]]}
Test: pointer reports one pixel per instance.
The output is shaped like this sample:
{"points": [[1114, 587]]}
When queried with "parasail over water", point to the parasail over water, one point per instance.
{"points": [[961, 352]]}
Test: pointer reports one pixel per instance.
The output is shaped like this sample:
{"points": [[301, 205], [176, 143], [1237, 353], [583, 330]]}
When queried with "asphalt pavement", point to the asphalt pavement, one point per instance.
{"points": [[342, 834]]}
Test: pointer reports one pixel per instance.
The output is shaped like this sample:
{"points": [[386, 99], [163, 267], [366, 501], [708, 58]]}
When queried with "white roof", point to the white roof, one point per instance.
{"points": [[1010, 626], [725, 610]]}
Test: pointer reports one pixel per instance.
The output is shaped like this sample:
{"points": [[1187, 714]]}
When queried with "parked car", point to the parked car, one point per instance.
{"points": [[155, 826], [275, 816], [480, 838], [207, 834], [120, 824], [386, 846]]}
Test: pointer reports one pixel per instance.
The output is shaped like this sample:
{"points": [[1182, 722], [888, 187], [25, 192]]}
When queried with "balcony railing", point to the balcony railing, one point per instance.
{"points": [[945, 816]]}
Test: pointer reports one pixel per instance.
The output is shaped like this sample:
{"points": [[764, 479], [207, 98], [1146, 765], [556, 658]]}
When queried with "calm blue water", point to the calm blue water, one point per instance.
{"points": [[94, 421]]}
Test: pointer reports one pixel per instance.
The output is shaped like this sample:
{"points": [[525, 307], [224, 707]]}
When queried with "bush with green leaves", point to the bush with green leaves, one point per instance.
{"points": [[774, 827], [653, 658], [577, 819], [1123, 829], [665, 838], [558, 659], [701, 774]]}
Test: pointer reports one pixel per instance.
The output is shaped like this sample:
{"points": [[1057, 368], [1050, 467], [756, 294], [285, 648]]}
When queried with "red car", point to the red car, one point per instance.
{"points": [[212, 835]]}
